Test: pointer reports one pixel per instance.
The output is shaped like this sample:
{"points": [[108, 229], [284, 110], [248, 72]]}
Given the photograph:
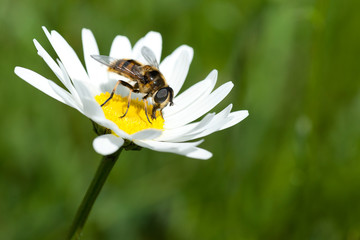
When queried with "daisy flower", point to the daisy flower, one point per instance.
{"points": [[87, 88]]}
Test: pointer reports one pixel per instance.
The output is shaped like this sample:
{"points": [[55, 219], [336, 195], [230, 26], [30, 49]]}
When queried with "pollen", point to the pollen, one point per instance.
{"points": [[135, 120]]}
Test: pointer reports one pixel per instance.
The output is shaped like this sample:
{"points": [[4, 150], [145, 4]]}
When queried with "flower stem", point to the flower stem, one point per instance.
{"points": [[93, 191]]}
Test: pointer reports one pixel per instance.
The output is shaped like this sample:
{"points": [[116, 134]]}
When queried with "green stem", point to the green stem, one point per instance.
{"points": [[93, 191]]}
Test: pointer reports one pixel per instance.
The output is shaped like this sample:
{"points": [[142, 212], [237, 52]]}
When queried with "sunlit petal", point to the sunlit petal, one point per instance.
{"points": [[107, 144]]}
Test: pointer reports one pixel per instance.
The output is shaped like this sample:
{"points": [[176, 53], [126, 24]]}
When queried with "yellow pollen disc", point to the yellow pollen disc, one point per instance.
{"points": [[135, 120]]}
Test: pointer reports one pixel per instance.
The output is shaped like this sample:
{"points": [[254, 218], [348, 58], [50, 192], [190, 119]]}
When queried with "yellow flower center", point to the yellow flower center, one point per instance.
{"points": [[135, 120]]}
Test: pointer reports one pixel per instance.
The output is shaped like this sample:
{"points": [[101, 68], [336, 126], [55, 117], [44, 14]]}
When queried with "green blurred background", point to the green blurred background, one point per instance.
{"points": [[291, 170]]}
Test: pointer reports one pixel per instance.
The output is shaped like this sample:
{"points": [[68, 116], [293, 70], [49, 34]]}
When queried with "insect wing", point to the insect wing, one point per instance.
{"points": [[106, 60], [112, 64], [149, 56]]}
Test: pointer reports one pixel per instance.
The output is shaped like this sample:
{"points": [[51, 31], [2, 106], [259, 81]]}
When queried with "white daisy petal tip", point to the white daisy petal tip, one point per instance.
{"points": [[213, 74], [46, 31], [85, 31], [21, 72], [246, 113], [199, 153], [87, 34], [107, 144], [39, 48], [120, 47], [152, 40], [154, 36], [235, 118], [16, 70], [188, 50], [36, 43], [39, 82]]}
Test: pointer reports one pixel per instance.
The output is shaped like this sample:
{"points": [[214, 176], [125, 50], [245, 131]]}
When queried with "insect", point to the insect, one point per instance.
{"points": [[145, 79]]}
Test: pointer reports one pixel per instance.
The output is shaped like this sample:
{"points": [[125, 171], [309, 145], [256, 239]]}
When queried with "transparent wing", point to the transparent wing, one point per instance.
{"points": [[149, 56], [111, 63], [106, 60]]}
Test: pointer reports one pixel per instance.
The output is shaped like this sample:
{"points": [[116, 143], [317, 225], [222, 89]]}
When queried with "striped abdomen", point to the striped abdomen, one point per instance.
{"points": [[126, 67]]}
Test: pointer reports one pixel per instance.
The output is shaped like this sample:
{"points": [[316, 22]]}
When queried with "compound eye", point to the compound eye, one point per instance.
{"points": [[161, 95]]}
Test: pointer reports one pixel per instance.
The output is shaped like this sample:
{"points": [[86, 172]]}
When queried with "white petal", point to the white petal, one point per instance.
{"points": [[120, 48], [59, 71], [95, 70], [66, 96], [38, 82], [209, 124], [166, 146], [107, 144], [102, 121], [92, 109], [49, 61], [214, 125], [176, 66], [199, 108], [195, 93], [67, 56], [198, 153], [175, 134], [146, 134], [68, 84], [222, 121], [171, 135], [85, 89], [186, 149], [153, 41], [236, 117]]}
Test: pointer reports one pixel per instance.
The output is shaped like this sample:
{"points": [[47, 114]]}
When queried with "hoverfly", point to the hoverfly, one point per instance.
{"points": [[146, 79]]}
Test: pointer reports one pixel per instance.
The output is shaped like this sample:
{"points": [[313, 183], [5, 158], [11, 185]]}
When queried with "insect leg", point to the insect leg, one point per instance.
{"points": [[153, 114], [125, 84], [146, 112], [128, 105], [145, 103], [112, 93], [117, 84], [129, 97]]}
